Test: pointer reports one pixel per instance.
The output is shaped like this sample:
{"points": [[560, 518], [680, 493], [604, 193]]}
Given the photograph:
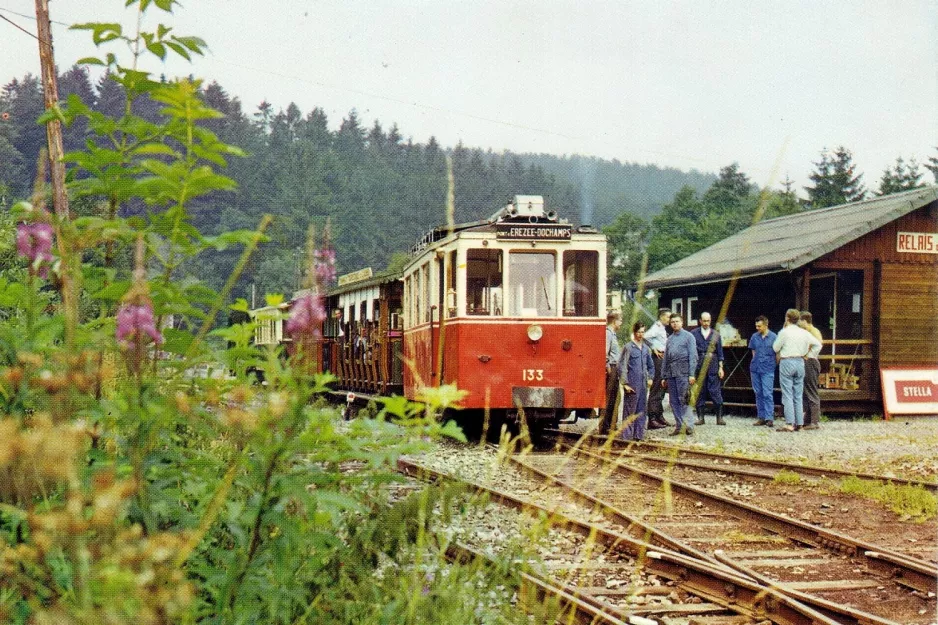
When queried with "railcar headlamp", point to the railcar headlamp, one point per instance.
{"points": [[535, 332]]}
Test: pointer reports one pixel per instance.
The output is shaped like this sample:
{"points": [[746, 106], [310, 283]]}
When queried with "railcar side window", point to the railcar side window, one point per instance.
{"points": [[532, 284], [484, 282], [425, 291], [581, 283]]}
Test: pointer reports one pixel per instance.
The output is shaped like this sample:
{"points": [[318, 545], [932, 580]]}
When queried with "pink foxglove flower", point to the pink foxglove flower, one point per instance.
{"points": [[136, 320], [306, 316], [34, 242]]}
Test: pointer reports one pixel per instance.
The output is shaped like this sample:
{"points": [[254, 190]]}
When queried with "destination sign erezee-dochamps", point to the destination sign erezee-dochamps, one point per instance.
{"points": [[534, 232]]}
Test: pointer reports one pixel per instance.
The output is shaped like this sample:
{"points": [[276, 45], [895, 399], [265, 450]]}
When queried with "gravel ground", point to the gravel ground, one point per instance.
{"points": [[902, 447]]}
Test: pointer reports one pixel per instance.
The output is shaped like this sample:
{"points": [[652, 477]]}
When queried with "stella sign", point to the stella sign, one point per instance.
{"points": [[909, 391]]}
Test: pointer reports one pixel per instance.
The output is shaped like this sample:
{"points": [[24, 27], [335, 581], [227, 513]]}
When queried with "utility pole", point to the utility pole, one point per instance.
{"points": [[50, 90]]}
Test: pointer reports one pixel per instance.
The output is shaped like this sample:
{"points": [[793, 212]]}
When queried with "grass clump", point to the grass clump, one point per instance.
{"points": [[913, 502], [787, 477]]}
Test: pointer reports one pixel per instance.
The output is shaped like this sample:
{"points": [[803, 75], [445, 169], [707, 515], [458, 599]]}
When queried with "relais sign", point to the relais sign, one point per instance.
{"points": [[917, 242], [534, 232], [910, 391]]}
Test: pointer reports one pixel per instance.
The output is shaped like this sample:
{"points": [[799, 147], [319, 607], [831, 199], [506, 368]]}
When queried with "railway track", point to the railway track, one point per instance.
{"points": [[600, 568], [783, 488], [735, 463], [847, 579]]}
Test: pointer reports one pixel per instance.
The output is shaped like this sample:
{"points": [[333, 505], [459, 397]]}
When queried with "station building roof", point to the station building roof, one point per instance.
{"points": [[787, 243]]}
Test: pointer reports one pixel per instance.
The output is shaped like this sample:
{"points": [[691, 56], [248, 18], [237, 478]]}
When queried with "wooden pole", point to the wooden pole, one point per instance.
{"points": [[50, 92]]}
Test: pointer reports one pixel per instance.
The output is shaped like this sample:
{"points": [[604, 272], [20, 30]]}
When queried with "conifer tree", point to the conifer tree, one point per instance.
{"points": [[932, 166], [835, 180], [900, 177]]}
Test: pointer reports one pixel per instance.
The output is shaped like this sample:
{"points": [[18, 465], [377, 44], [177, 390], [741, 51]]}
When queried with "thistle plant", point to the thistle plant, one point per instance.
{"points": [[148, 494]]}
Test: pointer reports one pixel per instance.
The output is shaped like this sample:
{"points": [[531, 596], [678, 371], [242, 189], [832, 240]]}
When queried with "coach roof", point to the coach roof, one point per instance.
{"points": [[786, 243]]}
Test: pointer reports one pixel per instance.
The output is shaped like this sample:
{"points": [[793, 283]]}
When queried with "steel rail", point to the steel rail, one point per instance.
{"points": [[585, 607], [843, 614], [916, 574], [773, 465], [717, 584]]}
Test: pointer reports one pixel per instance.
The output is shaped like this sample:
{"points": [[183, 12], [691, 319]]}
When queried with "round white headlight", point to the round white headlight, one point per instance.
{"points": [[535, 332]]}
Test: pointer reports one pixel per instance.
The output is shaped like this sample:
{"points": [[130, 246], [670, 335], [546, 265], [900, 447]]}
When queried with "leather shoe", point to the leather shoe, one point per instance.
{"points": [[656, 425], [811, 426], [761, 422]]}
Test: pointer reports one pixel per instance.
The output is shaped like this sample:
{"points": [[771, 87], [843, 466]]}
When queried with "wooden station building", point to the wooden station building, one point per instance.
{"points": [[867, 271]]}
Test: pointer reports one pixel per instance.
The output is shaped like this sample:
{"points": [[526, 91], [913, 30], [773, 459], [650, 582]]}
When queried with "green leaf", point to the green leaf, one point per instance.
{"points": [[273, 299], [113, 292], [158, 49], [240, 304], [90, 60], [176, 341]]}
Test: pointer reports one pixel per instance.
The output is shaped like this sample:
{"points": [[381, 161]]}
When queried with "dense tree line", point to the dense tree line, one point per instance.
{"points": [[380, 191]]}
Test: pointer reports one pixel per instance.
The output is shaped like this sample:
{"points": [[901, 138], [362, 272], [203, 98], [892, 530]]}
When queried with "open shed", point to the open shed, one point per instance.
{"points": [[867, 271]]}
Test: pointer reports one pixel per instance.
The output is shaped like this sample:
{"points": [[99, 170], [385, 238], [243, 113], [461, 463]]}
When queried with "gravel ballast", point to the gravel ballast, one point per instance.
{"points": [[902, 447]]}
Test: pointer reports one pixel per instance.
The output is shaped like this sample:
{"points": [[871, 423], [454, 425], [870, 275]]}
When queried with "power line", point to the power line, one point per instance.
{"points": [[31, 17], [17, 26]]}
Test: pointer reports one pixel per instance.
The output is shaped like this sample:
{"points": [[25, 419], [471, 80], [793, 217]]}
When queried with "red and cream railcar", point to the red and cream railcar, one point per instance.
{"points": [[510, 310]]}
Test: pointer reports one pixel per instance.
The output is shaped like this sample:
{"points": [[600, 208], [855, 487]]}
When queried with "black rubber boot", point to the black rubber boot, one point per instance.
{"points": [[700, 416], [720, 420]]}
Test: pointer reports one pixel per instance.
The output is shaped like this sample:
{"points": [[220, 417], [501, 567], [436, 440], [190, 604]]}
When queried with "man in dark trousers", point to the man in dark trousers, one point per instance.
{"points": [[613, 323], [710, 375], [812, 373], [656, 337], [678, 372]]}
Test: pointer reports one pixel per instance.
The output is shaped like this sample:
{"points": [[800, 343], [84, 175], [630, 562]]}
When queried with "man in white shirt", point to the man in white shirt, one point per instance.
{"points": [[657, 336], [792, 347]]}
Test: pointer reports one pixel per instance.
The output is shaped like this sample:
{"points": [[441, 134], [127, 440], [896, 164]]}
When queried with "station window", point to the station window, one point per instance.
{"points": [[484, 282], [532, 284], [581, 283]]}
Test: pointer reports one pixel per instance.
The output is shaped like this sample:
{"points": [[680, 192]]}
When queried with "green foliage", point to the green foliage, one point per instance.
{"points": [[910, 502], [787, 477], [627, 238], [135, 490], [835, 180], [901, 177]]}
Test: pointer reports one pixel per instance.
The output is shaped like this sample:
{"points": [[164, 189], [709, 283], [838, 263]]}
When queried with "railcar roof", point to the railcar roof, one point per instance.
{"points": [[790, 242], [377, 279]]}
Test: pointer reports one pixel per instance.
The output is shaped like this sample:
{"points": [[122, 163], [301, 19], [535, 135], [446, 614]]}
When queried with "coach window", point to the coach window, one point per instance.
{"points": [[418, 302], [532, 283], [484, 282], [581, 283], [425, 291], [450, 294]]}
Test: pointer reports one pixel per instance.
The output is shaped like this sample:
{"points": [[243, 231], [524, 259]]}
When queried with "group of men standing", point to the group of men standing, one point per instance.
{"points": [[674, 361], [795, 349], [669, 359]]}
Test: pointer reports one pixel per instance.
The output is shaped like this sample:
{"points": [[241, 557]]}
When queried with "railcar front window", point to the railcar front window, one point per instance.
{"points": [[532, 284], [484, 282], [581, 283]]}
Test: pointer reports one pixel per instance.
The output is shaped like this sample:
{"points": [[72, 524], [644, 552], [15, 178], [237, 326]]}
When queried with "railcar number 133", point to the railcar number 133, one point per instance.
{"points": [[532, 374]]}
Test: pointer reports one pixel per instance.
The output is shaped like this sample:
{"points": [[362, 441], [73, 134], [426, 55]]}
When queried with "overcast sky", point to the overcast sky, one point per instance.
{"points": [[690, 84]]}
